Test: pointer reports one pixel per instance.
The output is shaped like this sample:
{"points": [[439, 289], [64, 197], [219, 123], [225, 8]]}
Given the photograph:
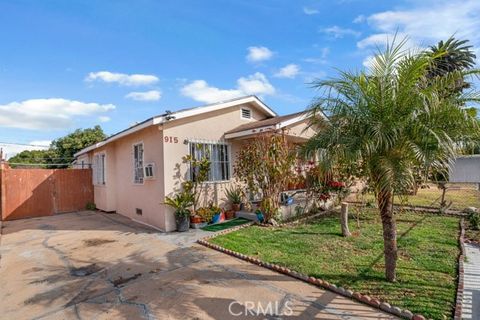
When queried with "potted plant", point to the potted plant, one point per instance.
{"points": [[234, 195], [181, 203]]}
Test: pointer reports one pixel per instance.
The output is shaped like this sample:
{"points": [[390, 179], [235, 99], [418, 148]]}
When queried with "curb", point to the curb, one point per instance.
{"points": [[365, 299], [461, 258]]}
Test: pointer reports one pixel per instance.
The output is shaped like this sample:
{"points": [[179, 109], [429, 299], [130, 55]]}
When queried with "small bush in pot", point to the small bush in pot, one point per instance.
{"points": [[234, 195], [181, 203]]}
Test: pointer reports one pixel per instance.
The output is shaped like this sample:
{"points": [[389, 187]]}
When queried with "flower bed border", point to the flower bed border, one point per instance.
{"points": [[365, 299]]}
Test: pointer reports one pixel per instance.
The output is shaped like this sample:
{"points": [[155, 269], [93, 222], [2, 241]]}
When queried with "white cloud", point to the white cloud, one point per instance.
{"points": [[200, 90], [257, 54], [368, 61], [359, 19], [9, 150], [256, 84], [338, 32], [380, 39], [152, 95], [122, 78], [44, 114], [428, 22], [104, 119], [289, 71], [310, 11]]}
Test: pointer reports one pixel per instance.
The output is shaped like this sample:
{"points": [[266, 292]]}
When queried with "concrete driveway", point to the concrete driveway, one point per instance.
{"points": [[89, 265]]}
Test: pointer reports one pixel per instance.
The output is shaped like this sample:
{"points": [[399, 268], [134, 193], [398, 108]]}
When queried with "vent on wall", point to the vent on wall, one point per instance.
{"points": [[138, 211], [246, 113]]}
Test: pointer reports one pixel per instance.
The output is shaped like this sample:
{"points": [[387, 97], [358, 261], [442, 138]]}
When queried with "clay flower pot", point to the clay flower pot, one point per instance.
{"points": [[196, 219], [230, 214]]}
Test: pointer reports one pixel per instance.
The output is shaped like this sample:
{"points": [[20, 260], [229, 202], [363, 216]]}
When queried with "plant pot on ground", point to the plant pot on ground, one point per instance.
{"points": [[181, 202], [230, 214], [183, 223], [234, 195]]}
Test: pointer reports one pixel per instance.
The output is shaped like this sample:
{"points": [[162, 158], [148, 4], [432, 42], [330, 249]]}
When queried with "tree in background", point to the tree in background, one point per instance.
{"points": [[70, 144], [45, 158], [388, 121], [61, 151]]}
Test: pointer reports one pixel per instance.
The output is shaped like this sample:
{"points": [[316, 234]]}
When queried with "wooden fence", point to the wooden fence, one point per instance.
{"points": [[27, 193]]}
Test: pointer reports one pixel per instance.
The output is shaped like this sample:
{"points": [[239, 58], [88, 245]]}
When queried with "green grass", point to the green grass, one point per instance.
{"points": [[427, 264], [465, 196], [225, 225]]}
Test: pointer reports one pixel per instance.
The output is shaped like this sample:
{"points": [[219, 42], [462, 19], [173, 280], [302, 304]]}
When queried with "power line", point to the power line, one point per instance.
{"points": [[23, 144]]}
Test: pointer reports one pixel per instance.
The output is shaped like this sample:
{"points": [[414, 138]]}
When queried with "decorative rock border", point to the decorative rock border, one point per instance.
{"points": [[461, 258], [472, 242], [365, 299]]}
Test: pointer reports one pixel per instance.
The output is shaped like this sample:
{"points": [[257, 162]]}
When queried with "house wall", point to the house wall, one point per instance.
{"points": [[120, 193], [300, 130], [210, 126], [106, 195]]}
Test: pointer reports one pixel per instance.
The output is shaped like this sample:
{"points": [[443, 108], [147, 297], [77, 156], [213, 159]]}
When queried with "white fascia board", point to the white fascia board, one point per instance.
{"points": [[289, 122], [249, 132], [115, 137], [219, 106]]}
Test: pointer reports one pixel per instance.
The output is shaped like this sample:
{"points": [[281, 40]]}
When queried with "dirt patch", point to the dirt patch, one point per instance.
{"points": [[96, 242], [121, 280], [85, 270]]}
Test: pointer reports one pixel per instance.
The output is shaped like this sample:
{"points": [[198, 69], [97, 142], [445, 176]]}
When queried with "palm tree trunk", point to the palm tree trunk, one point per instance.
{"points": [[385, 204]]}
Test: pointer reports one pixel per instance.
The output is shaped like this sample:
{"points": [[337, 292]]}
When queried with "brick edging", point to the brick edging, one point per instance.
{"points": [[365, 299], [461, 258]]}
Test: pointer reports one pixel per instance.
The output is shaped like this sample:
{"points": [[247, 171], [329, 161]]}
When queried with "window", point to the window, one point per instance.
{"points": [[138, 163], [218, 154], [149, 171], [99, 169], [246, 113]]}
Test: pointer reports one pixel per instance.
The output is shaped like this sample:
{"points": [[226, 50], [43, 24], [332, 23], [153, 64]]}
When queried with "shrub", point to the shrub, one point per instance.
{"points": [[474, 220], [90, 206]]}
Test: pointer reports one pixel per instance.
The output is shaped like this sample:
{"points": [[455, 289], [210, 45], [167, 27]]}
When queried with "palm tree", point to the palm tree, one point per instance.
{"points": [[451, 55], [386, 122]]}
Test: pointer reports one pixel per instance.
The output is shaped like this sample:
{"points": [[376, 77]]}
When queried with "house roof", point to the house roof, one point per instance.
{"points": [[180, 114], [265, 123], [271, 124]]}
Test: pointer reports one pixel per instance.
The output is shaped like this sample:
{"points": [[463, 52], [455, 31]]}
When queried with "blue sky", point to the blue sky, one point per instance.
{"points": [[74, 64]]}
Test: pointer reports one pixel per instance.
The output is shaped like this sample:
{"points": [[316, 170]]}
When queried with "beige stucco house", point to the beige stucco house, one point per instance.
{"points": [[133, 170]]}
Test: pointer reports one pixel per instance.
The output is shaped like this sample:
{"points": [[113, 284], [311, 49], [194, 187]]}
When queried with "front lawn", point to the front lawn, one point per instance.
{"points": [[427, 264]]}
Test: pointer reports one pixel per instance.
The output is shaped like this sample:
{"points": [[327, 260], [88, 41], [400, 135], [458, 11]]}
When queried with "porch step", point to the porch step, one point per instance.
{"points": [[246, 215]]}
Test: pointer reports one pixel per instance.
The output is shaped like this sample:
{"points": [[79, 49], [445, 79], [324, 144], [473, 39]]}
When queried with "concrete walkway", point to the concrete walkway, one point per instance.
{"points": [[89, 265], [471, 291]]}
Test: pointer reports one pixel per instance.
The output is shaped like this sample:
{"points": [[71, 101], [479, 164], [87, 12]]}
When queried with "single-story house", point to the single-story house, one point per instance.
{"points": [[133, 170]]}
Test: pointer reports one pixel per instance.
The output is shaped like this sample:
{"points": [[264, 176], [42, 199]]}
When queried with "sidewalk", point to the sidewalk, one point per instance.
{"points": [[471, 291]]}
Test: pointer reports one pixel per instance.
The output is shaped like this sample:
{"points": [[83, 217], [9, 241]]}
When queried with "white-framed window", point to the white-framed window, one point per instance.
{"points": [[99, 169], [149, 171], [138, 163], [219, 156], [246, 113]]}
